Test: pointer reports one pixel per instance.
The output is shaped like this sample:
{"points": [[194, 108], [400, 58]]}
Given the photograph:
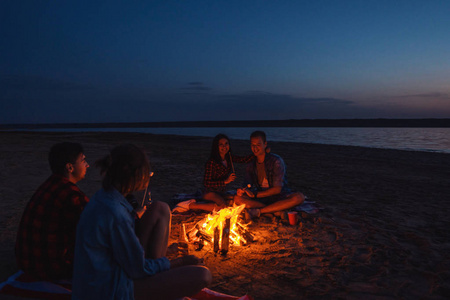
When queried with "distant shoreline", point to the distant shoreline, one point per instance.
{"points": [[387, 123]]}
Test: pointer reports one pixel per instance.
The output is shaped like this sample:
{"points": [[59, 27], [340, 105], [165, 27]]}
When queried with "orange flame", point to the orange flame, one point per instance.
{"points": [[217, 219]]}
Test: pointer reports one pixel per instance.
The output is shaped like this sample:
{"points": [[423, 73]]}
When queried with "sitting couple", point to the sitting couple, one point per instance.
{"points": [[265, 173]]}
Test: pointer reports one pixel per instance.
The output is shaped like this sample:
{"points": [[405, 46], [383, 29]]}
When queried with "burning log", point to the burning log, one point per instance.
{"points": [[226, 236], [247, 236], [183, 247], [202, 234], [219, 229], [192, 234], [216, 239]]}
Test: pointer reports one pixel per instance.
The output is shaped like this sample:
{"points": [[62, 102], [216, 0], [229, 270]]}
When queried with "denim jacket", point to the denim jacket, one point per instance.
{"points": [[108, 255]]}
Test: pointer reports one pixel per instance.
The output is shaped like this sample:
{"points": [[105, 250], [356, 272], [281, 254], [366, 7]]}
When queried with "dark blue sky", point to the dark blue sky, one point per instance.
{"points": [[125, 61]]}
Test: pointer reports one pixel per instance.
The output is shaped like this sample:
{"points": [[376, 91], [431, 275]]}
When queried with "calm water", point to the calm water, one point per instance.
{"points": [[417, 139]]}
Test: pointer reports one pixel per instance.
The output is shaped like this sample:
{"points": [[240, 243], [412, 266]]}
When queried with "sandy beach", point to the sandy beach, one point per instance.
{"points": [[383, 233]]}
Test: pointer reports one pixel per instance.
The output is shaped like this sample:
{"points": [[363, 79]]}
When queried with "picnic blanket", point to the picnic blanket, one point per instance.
{"points": [[21, 285], [309, 207]]}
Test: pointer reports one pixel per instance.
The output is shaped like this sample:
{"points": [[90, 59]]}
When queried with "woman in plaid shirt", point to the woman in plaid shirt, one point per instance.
{"points": [[219, 170]]}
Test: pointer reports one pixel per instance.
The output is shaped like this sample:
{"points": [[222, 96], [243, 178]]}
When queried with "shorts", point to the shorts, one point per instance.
{"points": [[227, 195], [275, 198]]}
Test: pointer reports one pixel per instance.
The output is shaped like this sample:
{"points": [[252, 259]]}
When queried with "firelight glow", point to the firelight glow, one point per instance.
{"points": [[217, 219]]}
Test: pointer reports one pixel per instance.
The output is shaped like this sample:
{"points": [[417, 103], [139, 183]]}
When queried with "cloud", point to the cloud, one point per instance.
{"points": [[131, 106], [195, 87], [276, 99], [434, 95], [38, 83], [261, 105]]}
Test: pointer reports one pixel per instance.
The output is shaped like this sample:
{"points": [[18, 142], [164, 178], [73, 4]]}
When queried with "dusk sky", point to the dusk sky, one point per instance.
{"points": [[143, 61]]}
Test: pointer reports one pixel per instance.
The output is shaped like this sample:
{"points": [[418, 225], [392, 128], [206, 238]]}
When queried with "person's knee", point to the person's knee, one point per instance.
{"points": [[205, 276], [238, 200], [208, 195], [162, 209], [298, 198]]}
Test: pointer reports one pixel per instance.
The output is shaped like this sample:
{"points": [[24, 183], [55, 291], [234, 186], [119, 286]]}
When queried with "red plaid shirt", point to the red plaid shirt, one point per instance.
{"points": [[216, 173], [46, 237]]}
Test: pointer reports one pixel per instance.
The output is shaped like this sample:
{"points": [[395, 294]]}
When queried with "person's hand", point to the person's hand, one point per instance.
{"points": [[188, 260], [230, 178], [140, 211], [239, 192], [249, 193]]}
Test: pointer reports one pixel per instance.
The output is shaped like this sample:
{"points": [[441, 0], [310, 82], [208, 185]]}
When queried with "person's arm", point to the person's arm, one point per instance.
{"points": [[242, 159], [245, 159], [129, 254], [209, 181], [187, 260], [73, 207]]}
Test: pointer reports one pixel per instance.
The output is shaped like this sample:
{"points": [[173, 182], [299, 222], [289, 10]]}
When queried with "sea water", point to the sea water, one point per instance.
{"points": [[415, 139]]}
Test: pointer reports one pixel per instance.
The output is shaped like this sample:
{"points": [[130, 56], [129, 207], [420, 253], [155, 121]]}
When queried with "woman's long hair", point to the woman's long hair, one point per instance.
{"points": [[126, 168], [215, 155]]}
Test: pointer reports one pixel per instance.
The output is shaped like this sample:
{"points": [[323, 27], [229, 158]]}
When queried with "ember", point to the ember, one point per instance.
{"points": [[221, 228]]}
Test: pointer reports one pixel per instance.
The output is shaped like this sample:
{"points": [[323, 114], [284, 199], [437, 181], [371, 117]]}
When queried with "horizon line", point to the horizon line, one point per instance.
{"points": [[355, 122]]}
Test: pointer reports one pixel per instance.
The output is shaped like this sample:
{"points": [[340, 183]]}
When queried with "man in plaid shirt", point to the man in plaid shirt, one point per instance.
{"points": [[267, 176], [46, 237]]}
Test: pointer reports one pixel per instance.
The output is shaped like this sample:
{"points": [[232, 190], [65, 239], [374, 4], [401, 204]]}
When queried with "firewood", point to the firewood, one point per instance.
{"points": [[216, 238], [245, 233], [226, 236], [202, 234]]}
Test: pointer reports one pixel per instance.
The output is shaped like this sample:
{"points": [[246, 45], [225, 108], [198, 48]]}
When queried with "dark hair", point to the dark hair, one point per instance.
{"points": [[63, 153], [126, 168], [259, 134], [215, 155]]}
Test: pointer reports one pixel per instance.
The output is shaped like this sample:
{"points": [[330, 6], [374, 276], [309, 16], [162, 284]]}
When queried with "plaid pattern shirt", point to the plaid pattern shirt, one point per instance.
{"points": [[216, 173], [46, 238], [275, 172]]}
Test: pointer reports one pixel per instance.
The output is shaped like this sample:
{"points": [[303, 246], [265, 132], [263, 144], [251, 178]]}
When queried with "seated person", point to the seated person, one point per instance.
{"points": [[46, 238], [267, 176], [112, 261], [219, 173]]}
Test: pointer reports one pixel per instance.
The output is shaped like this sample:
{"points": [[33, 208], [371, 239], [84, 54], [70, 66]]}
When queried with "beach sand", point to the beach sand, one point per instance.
{"points": [[384, 232]]}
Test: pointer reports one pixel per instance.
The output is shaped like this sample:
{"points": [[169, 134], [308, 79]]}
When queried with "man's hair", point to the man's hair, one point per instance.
{"points": [[258, 134], [126, 168], [63, 153]]}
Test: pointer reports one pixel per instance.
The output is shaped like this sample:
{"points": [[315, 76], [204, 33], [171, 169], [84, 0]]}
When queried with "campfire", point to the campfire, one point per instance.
{"points": [[220, 229]]}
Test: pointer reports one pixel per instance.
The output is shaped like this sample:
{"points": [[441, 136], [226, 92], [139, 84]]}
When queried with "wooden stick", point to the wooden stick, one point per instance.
{"points": [[202, 234], [231, 161], [183, 247], [226, 236], [245, 233], [147, 193], [216, 239]]}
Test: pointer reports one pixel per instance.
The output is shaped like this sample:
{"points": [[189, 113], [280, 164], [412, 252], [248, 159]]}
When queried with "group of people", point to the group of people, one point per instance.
{"points": [[265, 188], [110, 248]]}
